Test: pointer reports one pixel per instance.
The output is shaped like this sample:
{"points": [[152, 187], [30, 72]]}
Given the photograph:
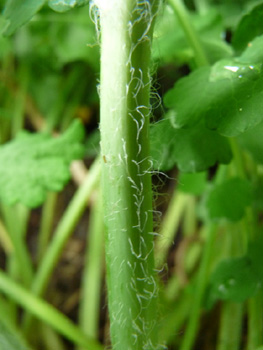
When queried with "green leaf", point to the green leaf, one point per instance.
{"points": [[216, 49], [170, 45], [19, 12], [59, 32], [188, 98], [228, 97], [192, 150], [192, 183], [231, 11], [234, 280], [252, 141], [68, 49], [250, 26], [237, 279], [228, 200], [9, 340], [253, 53], [66, 5], [31, 165]]}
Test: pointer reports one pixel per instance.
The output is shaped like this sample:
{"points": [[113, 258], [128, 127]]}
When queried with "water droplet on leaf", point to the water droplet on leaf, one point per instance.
{"points": [[232, 68]]}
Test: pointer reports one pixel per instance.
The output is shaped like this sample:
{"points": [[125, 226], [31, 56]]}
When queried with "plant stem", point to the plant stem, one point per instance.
{"points": [[45, 312], [5, 240], [255, 322], [202, 6], [62, 233], [50, 338], [176, 314], [46, 224], [250, 232], [190, 220], [193, 323], [170, 226], [126, 32], [92, 276], [230, 326], [190, 33], [19, 106], [16, 229], [249, 222], [237, 159]]}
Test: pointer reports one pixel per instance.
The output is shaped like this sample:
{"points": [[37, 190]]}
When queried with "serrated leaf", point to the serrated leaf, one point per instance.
{"points": [[31, 165], [9, 340], [19, 12], [248, 28], [66, 5], [228, 200], [228, 97], [192, 150]]}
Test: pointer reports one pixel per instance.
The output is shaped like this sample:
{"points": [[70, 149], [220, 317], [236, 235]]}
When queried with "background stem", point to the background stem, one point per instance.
{"points": [[230, 326], [46, 313], [190, 33], [46, 224], [193, 322], [92, 276], [62, 233]]}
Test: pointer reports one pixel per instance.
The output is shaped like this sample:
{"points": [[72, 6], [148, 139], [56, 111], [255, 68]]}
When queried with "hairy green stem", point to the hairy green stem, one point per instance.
{"points": [[190, 33], [126, 33]]}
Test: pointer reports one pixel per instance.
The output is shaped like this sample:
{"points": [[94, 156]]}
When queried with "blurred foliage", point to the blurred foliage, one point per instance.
{"points": [[45, 62]]}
